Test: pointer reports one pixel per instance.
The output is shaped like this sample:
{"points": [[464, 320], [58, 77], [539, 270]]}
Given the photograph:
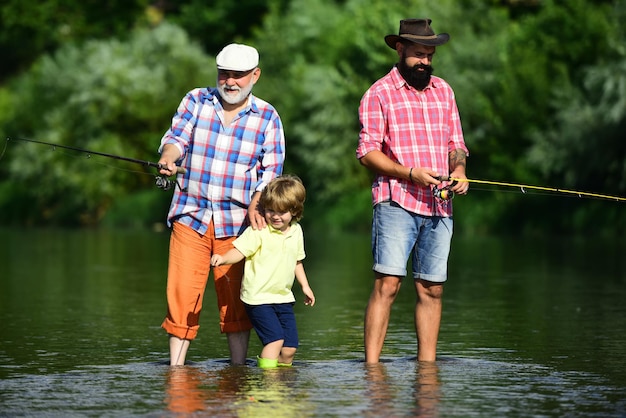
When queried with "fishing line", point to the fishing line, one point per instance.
{"points": [[4, 149], [161, 181], [94, 161], [523, 188], [524, 191], [102, 154]]}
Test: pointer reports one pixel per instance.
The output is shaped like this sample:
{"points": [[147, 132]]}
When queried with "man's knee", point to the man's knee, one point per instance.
{"points": [[428, 289], [387, 286]]}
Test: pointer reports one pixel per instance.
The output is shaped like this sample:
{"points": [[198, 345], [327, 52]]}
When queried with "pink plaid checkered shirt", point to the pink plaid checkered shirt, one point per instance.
{"points": [[414, 129]]}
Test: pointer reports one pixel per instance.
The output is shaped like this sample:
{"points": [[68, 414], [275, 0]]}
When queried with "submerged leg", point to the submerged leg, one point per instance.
{"points": [[178, 350], [238, 346]]}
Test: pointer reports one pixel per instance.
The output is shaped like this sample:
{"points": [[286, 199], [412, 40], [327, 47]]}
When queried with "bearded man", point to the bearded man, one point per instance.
{"points": [[410, 137]]}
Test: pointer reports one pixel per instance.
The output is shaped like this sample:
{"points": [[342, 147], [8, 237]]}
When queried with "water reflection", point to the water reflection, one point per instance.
{"points": [[234, 391], [274, 394], [184, 392], [518, 338], [379, 389], [427, 389], [452, 387], [384, 396]]}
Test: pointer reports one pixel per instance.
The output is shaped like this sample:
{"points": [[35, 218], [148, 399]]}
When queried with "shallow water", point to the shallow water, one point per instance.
{"points": [[530, 328]]}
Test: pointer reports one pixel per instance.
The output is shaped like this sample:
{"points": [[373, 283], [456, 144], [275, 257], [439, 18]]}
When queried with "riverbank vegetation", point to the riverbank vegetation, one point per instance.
{"points": [[541, 88]]}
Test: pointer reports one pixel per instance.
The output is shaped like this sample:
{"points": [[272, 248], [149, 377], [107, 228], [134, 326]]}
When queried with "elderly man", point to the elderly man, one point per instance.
{"points": [[231, 144]]}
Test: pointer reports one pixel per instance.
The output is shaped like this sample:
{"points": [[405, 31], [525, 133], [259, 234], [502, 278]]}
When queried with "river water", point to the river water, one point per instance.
{"points": [[531, 328]]}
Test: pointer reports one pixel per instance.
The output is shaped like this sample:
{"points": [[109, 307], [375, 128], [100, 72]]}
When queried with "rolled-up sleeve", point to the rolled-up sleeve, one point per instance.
{"points": [[183, 122], [372, 122]]}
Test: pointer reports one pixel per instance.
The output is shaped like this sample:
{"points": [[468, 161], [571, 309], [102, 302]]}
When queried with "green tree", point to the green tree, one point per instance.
{"points": [[583, 149], [535, 83], [107, 96], [320, 57], [547, 56], [34, 27], [219, 22]]}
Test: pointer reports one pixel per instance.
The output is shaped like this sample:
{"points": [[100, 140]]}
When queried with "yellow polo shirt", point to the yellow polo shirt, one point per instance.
{"points": [[271, 258]]}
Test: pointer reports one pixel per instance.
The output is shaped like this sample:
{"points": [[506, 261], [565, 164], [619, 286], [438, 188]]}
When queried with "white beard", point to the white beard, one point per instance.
{"points": [[227, 93]]}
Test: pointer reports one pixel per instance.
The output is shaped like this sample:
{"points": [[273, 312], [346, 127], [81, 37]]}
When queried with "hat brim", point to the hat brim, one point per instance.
{"points": [[235, 68], [437, 40]]}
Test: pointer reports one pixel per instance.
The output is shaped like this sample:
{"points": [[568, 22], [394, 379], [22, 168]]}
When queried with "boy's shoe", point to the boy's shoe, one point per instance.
{"points": [[266, 363]]}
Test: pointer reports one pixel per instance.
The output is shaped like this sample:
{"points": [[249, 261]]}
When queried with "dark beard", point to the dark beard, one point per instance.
{"points": [[414, 76]]}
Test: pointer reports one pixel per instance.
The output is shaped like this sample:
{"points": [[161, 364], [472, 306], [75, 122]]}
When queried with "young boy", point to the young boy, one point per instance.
{"points": [[273, 257]]}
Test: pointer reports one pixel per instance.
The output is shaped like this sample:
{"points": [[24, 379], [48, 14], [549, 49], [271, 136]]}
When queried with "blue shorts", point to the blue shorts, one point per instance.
{"points": [[273, 322], [396, 233]]}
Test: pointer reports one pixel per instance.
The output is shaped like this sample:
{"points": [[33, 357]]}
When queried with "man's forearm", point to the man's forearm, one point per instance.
{"points": [[458, 159], [170, 152]]}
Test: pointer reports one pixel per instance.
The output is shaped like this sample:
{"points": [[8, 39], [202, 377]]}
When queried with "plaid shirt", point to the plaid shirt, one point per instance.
{"points": [[225, 164], [414, 129]]}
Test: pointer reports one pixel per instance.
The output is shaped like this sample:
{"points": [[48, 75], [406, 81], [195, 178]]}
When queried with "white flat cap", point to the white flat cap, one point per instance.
{"points": [[237, 57]]}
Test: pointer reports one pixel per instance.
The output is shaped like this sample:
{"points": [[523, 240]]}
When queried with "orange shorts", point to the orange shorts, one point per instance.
{"points": [[187, 276]]}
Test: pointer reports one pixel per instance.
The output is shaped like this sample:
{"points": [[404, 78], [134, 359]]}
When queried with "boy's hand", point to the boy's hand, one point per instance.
{"points": [[309, 296], [216, 260]]}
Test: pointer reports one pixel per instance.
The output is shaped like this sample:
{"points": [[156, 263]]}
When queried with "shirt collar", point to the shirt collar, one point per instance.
{"points": [[288, 234]]}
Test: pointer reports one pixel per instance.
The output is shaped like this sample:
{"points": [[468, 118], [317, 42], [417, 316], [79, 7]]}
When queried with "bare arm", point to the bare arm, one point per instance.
{"points": [[378, 162], [231, 257], [458, 162], [306, 289]]}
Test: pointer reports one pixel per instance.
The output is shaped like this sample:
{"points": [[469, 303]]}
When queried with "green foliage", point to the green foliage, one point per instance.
{"points": [[540, 88], [106, 96], [33, 27], [541, 56], [220, 22], [584, 148], [318, 58]]}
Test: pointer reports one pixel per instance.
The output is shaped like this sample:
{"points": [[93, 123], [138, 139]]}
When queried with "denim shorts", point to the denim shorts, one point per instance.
{"points": [[396, 233], [273, 322]]}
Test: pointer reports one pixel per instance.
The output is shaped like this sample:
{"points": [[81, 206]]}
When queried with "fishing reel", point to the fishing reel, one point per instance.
{"points": [[444, 193], [164, 183]]}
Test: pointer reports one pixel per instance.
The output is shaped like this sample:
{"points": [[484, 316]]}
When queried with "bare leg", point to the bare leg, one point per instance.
{"points": [[377, 315], [286, 355], [238, 346], [272, 350], [178, 350], [427, 318]]}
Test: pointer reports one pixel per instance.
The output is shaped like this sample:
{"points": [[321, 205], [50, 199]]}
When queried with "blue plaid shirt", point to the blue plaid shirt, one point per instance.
{"points": [[225, 164]]}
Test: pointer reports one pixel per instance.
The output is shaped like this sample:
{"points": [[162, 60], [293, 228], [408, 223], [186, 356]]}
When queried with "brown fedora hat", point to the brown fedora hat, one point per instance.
{"points": [[418, 31]]}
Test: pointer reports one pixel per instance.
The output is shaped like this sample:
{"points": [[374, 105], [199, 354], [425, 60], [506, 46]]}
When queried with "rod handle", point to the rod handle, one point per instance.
{"points": [[179, 170]]}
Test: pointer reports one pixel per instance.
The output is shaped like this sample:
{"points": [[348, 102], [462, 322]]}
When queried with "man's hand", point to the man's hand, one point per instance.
{"points": [[255, 216], [424, 176], [167, 162], [461, 185]]}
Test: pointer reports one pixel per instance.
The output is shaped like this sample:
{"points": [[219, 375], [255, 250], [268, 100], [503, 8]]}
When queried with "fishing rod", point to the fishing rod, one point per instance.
{"points": [[161, 181], [522, 187]]}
